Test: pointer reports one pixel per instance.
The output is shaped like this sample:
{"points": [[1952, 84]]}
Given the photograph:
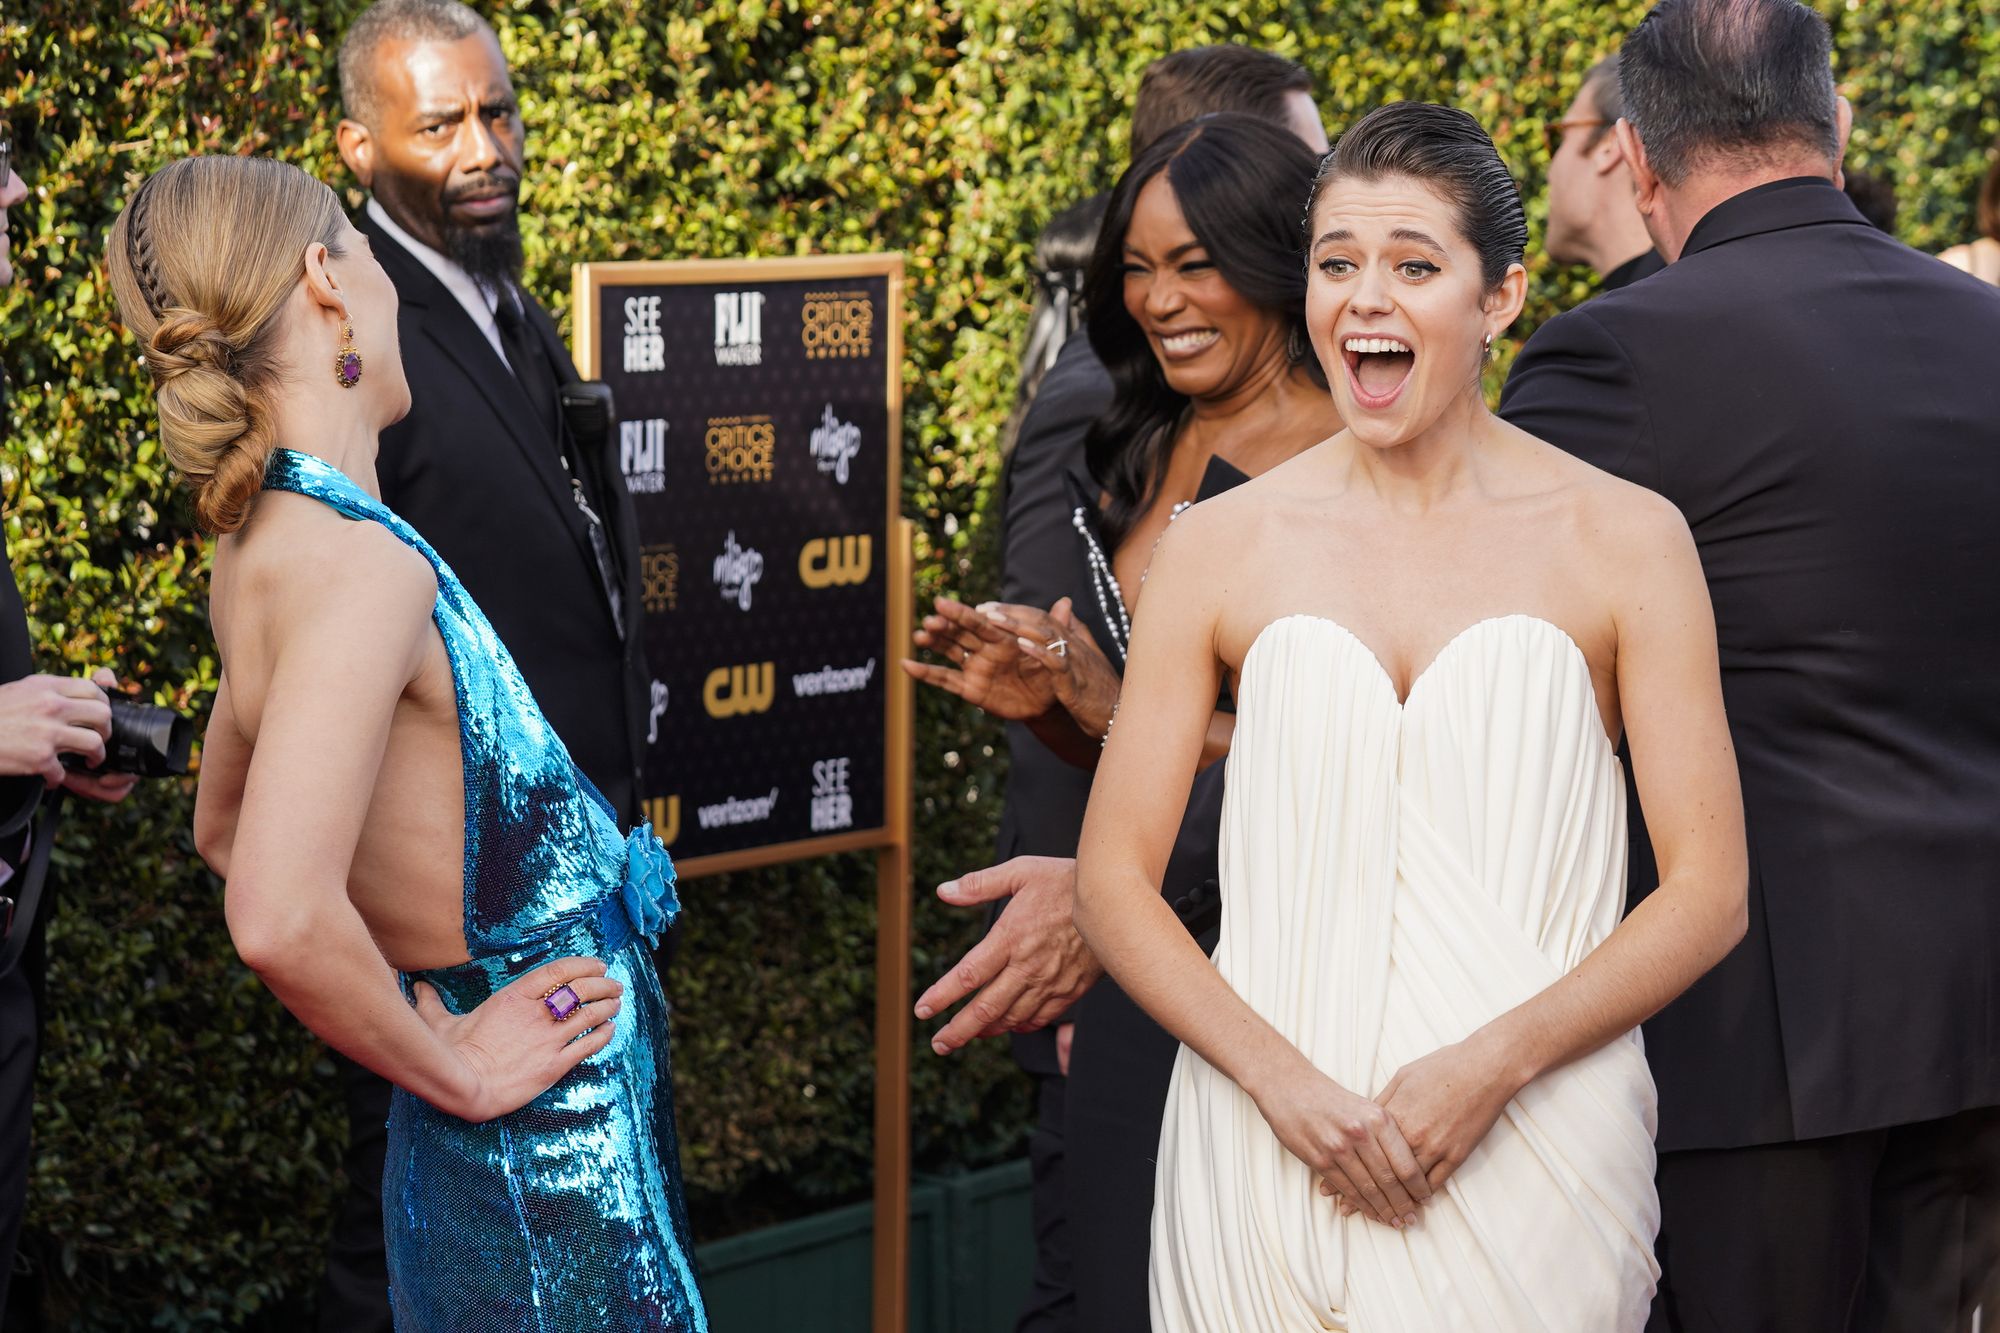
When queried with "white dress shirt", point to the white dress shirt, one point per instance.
{"points": [[478, 302]]}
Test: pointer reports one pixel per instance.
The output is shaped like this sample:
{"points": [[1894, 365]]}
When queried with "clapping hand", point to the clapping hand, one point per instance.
{"points": [[513, 1047], [1084, 681], [992, 673]]}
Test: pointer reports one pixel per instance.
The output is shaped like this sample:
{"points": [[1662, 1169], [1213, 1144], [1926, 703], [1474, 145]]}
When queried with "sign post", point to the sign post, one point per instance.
{"points": [[760, 436]]}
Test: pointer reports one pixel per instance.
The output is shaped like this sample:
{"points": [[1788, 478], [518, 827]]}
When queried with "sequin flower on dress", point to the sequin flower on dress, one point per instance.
{"points": [[649, 894]]}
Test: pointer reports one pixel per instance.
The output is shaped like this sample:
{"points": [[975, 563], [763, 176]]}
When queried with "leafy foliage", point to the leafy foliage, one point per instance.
{"points": [[188, 1130]]}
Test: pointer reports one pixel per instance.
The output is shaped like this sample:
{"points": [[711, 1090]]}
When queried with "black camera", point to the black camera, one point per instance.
{"points": [[149, 741]]}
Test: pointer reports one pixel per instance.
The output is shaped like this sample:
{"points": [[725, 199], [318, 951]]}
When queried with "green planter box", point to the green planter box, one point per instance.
{"points": [[971, 1257]]}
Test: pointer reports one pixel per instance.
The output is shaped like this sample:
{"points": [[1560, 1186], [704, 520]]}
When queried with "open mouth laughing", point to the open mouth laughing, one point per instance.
{"points": [[1378, 368]]}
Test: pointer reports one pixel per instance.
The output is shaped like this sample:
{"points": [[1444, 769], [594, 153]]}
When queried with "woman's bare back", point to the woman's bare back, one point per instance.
{"points": [[406, 878]]}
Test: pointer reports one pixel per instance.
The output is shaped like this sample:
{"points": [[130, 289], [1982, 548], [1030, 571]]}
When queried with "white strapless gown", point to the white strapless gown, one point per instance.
{"points": [[1394, 875]]}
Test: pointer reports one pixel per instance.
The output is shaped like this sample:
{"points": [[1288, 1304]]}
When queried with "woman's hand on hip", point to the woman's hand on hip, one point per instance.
{"points": [[513, 1046]]}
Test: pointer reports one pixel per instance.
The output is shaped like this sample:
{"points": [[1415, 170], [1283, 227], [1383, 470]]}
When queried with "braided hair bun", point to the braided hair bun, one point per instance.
{"points": [[202, 261]]}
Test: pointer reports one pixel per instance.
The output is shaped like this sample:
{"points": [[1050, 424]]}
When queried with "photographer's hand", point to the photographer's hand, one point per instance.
{"points": [[43, 718], [110, 788]]}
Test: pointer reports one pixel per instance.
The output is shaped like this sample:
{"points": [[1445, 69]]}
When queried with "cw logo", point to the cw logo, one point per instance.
{"points": [[828, 562], [664, 814], [734, 691]]}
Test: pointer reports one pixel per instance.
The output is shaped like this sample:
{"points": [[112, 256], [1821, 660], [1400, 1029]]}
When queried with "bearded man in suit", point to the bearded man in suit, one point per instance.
{"points": [[536, 522]]}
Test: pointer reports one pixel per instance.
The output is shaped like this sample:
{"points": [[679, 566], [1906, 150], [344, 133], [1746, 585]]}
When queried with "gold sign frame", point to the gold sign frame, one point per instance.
{"points": [[891, 841]]}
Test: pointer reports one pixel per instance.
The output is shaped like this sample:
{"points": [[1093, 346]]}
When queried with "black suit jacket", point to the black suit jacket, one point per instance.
{"points": [[1822, 404], [471, 470]]}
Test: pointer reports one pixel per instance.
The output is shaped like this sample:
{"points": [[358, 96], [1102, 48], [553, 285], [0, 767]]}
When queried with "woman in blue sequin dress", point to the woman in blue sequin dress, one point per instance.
{"points": [[413, 863]]}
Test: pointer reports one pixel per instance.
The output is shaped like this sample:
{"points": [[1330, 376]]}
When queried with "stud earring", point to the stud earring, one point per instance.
{"points": [[347, 361]]}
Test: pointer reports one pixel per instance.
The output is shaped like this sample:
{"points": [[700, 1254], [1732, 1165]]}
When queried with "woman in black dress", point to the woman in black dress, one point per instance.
{"points": [[1196, 299]]}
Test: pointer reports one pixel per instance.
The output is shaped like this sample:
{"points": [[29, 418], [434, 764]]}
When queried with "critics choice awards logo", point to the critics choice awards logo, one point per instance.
{"points": [[832, 802], [834, 444], [642, 455], [835, 562], [645, 348], [739, 328], [737, 570], [660, 577], [837, 324], [740, 449]]}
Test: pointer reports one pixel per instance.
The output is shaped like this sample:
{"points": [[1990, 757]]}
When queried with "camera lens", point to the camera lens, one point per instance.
{"points": [[152, 742]]}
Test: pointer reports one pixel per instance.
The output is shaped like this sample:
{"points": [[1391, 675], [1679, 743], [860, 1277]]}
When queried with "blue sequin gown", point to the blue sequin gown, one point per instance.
{"points": [[566, 1214]]}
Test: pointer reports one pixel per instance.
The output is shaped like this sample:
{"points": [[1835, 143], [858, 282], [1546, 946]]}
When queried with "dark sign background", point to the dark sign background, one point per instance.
{"points": [[753, 546]]}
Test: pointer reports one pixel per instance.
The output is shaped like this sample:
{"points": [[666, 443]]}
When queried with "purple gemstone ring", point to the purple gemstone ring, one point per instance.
{"points": [[561, 1002]]}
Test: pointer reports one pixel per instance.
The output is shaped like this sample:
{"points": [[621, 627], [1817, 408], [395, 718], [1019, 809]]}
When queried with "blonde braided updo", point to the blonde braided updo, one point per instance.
{"points": [[202, 260]]}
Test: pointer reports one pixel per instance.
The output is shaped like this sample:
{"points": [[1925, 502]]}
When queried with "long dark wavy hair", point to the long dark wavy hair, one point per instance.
{"points": [[1242, 185]]}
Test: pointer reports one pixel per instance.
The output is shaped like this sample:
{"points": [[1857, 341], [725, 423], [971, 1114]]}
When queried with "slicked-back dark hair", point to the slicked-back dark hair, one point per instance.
{"points": [[1204, 80], [395, 21], [1729, 81], [1240, 183], [1445, 149]]}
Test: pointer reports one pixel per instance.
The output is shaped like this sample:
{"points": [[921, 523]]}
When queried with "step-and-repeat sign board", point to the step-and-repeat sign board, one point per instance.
{"points": [[759, 412]]}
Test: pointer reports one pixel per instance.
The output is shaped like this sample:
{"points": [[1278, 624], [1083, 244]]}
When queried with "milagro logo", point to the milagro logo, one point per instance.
{"points": [[642, 455], [664, 814], [739, 328], [737, 691], [734, 810], [834, 444], [660, 577], [737, 570], [740, 449], [833, 680], [658, 711], [645, 348], [837, 324], [832, 803], [831, 562]]}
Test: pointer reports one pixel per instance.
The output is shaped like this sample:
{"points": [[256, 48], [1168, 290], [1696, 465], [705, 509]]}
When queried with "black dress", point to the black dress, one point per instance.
{"points": [[1121, 1060]]}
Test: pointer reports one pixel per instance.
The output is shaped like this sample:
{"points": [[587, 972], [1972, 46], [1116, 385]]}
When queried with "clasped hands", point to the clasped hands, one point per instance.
{"points": [[1383, 1157]]}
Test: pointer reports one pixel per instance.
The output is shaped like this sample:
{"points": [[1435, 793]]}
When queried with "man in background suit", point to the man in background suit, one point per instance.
{"points": [[539, 528], [43, 719], [1820, 403], [1592, 219]]}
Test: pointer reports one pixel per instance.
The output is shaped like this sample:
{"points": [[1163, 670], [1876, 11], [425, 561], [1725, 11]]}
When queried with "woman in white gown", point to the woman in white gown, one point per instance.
{"points": [[1411, 1095]]}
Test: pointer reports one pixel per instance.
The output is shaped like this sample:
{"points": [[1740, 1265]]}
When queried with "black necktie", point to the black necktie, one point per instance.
{"points": [[528, 361], [530, 364]]}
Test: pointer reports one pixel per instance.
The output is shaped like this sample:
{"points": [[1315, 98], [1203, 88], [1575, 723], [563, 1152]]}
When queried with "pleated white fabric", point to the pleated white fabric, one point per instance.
{"points": [[1395, 875]]}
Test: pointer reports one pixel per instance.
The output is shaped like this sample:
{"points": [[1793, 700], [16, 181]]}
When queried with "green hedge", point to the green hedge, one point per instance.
{"points": [[188, 1130]]}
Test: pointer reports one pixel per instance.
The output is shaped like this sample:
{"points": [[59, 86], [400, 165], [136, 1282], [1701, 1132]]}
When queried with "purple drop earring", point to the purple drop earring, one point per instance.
{"points": [[347, 361]]}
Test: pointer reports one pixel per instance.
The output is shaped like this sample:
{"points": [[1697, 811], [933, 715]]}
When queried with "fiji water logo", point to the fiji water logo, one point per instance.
{"points": [[834, 444], [737, 571], [739, 328], [642, 455]]}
